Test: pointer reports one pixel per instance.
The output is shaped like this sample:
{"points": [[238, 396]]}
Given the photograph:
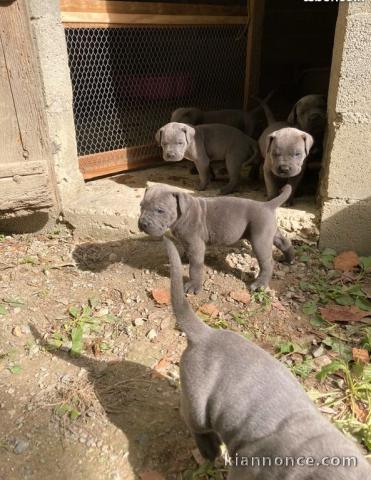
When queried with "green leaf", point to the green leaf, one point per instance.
{"points": [[77, 343], [86, 311], [309, 308], [344, 300], [74, 311], [365, 263], [2, 309], [331, 368], [329, 251], [93, 302], [302, 369], [74, 413], [304, 258], [285, 347], [363, 304], [15, 369], [338, 346]]}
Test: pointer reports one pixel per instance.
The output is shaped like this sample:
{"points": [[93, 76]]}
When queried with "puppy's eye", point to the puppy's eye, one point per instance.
{"points": [[159, 210], [297, 154], [179, 143]]}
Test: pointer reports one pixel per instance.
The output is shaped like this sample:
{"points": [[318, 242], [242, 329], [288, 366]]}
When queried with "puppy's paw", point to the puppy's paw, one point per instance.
{"points": [[258, 284], [192, 287]]}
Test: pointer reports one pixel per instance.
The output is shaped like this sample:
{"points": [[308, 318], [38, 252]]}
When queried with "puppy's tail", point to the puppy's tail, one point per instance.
{"points": [[191, 325], [282, 197]]}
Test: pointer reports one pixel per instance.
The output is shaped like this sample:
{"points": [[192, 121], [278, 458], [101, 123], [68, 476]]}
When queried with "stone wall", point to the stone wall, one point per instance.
{"points": [[346, 177]]}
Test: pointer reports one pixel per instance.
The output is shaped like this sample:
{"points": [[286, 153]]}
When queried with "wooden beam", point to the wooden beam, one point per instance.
{"points": [[151, 8], [76, 19], [115, 161], [254, 44]]}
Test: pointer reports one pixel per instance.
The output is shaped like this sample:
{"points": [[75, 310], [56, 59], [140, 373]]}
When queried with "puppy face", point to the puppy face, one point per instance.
{"points": [[160, 209], [191, 115], [309, 114], [174, 139], [287, 150]]}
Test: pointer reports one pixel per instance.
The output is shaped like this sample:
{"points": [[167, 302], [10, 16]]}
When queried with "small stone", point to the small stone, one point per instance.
{"points": [[213, 297], [112, 257], [138, 322], [21, 446], [152, 334], [318, 352]]}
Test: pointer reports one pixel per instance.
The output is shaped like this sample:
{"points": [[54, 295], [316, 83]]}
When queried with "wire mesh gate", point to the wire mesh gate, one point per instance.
{"points": [[127, 80]]}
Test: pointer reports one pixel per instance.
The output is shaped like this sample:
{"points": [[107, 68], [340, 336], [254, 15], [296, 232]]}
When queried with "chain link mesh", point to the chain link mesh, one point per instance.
{"points": [[126, 81]]}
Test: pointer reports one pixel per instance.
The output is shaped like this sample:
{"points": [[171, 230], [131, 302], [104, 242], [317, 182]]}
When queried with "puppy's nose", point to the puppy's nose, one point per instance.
{"points": [[284, 169], [142, 224], [170, 156]]}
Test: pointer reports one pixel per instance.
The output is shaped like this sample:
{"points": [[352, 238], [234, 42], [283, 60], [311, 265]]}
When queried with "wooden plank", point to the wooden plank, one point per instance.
{"points": [[94, 18], [115, 161], [10, 139], [25, 84], [152, 8], [254, 42], [10, 170], [29, 192]]}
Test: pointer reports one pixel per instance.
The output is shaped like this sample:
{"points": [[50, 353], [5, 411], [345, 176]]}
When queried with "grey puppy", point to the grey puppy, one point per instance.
{"points": [[309, 114], [246, 121], [285, 150], [203, 144], [197, 221], [235, 393]]}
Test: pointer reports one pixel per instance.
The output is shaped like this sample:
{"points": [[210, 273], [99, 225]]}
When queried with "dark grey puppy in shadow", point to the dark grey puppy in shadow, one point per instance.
{"points": [[235, 393], [197, 221]]}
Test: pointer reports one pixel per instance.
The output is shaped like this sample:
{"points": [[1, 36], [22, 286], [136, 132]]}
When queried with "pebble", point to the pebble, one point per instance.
{"points": [[138, 322], [21, 446], [213, 297], [16, 331], [151, 335], [322, 361], [318, 352]]}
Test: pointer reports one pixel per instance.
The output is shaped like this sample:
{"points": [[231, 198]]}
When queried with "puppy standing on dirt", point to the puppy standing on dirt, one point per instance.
{"points": [[204, 144], [235, 393], [196, 221], [285, 150]]}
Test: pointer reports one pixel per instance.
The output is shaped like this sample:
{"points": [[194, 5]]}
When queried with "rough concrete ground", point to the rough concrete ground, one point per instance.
{"points": [[113, 411], [108, 208]]}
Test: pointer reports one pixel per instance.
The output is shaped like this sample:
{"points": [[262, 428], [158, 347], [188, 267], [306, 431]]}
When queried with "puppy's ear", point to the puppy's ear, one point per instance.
{"points": [[182, 200], [158, 136], [269, 142], [308, 142], [293, 116], [189, 133]]}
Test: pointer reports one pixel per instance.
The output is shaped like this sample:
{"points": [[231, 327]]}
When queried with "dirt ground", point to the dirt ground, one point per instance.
{"points": [[93, 393]]}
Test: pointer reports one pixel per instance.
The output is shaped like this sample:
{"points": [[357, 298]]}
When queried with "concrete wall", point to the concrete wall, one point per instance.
{"points": [[53, 63], [346, 178]]}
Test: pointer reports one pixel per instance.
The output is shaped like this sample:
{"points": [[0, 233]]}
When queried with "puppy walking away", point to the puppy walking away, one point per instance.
{"points": [[235, 393]]}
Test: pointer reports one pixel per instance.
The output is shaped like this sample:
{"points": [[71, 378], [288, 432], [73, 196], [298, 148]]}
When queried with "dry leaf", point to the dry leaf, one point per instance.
{"points": [[161, 296], [209, 309], [343, 313], [241, 296], [278, 305], [360, 412], [346, 261], [360, 355], [160, 368], [151, 475]]}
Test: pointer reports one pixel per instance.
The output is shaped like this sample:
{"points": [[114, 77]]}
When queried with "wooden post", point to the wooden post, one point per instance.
{"points": [[254, 45]]}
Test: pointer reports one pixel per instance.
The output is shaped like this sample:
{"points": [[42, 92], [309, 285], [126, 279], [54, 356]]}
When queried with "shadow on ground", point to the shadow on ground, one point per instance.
{"points": [[141, 402]]}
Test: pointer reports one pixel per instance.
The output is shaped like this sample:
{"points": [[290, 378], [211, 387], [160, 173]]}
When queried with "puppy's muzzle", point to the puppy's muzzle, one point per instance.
{"points": [[283, 169], [170, 156], [143, 224]]}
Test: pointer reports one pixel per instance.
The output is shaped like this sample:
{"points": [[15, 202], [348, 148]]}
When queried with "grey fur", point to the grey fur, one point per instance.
{"points": [[206, 143], [197, 221], [309, 114], [285, 150], [246, 121], [235, 393]]}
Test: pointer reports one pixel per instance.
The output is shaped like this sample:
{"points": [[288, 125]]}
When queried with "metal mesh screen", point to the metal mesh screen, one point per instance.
{"points": [[126, 81]]}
